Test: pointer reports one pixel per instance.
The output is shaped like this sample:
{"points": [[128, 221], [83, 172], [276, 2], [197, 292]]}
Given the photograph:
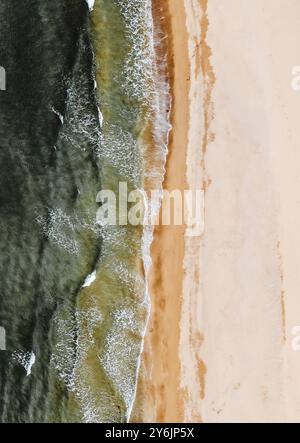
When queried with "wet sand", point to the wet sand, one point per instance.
{"points": [[158, 397]]}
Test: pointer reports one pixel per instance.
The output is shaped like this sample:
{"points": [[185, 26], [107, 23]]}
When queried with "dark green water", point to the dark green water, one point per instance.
{"points": [[48, 181]]}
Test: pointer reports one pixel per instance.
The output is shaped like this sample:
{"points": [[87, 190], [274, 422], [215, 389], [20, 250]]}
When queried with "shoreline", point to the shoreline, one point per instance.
{"points": [[158, 394]]}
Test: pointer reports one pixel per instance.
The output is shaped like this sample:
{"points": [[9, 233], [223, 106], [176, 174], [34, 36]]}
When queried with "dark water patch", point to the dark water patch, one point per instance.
{"points": [[48, 182]]}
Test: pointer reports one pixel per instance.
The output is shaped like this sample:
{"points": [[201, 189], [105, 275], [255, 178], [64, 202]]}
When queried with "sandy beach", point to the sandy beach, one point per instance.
{"points": [[219, 345]]}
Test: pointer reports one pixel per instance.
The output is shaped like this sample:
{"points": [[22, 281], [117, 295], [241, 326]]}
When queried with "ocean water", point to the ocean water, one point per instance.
{"points": [[85, 108]]}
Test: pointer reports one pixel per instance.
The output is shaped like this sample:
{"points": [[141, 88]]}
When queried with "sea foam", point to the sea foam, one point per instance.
{"points": [[91, 4]]}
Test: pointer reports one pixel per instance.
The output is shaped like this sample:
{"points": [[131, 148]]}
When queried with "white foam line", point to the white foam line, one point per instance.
{"points": [[91, 4], [30, 363], [100, 117], [148, 234], [59, 115], [89, 280]]}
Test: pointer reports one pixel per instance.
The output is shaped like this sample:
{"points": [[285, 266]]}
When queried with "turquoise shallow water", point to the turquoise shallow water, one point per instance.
{"points": [[73, 341]]}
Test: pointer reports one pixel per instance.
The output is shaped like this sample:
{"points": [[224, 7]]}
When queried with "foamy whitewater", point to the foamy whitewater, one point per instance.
{"points": [[139, 81], [113, 306], [90, 4], [26, 359]]}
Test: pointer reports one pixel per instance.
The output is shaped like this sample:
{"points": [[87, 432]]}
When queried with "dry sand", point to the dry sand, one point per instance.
{"points": [[224, 304]]}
